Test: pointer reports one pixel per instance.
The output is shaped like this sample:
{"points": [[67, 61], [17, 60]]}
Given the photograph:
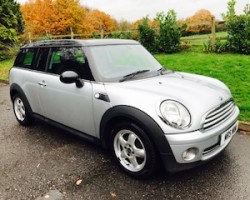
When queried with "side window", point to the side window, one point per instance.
{"points": [[41, 60], [25, 58], [69, 59]]}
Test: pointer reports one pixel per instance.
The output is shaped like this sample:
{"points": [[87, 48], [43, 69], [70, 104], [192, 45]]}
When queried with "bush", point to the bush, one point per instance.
{"points": [[126, 35], [208, 46], [120, 35], [221, 46], [147, 36], [96, 36], [168, 40], [238, 28], [115, 35], [8, 52]]}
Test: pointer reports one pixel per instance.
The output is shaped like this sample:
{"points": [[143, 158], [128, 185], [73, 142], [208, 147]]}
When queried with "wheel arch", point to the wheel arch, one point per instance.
{"points": [[127, 113], [16, 89]]}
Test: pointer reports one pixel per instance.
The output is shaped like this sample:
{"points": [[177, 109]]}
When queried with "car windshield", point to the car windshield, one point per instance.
{"points": [[123, 62]]}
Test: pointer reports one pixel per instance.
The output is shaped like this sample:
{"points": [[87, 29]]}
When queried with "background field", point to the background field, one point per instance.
{"points": [[203, 37], [196, 43], [232, 69]]}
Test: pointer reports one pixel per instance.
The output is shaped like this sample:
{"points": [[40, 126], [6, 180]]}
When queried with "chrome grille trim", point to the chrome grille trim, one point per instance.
{"points": [[219, 114]]}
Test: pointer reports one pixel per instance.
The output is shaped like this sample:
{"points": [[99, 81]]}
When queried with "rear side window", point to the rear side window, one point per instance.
{"points": [[25, 58]]}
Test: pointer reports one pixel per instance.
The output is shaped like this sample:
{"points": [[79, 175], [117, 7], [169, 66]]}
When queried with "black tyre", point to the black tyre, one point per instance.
{"points": [[21, 111], [133, 150]]}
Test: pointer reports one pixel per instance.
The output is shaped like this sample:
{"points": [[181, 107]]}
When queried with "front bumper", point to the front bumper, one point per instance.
{"points": [[208, 144]]}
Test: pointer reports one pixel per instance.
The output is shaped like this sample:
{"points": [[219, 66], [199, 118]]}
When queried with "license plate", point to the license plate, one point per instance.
{"points": [[226, 136]]}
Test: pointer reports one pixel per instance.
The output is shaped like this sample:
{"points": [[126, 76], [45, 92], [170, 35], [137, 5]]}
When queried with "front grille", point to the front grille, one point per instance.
{"points": [[219, 114]]}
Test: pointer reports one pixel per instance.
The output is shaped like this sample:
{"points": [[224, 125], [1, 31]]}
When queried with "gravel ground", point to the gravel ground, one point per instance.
{"points": [[43, 162]]}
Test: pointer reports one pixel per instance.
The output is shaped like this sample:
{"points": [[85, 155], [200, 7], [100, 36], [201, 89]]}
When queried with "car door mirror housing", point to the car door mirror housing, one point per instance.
{"points": [[69, 77]]}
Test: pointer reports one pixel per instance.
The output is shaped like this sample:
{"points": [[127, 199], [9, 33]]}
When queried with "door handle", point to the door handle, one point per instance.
{"points": [[42, 83]]}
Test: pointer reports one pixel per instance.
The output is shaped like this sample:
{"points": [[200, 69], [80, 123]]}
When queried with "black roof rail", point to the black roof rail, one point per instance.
{"points": [[78, 43], [51, 43]]}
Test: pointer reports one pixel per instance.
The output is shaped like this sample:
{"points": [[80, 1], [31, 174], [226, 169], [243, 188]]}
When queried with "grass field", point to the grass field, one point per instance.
{"points": [[218, 34], [232, 69], [4, 69], [196, 43]]}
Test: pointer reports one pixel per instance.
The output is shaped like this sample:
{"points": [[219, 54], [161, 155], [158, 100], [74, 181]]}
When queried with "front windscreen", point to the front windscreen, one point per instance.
{"points": [[113, 62]]}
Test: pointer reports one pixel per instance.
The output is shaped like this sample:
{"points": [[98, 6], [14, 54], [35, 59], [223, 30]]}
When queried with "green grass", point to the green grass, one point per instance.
{"points": [[232, 69], [4, 68]]}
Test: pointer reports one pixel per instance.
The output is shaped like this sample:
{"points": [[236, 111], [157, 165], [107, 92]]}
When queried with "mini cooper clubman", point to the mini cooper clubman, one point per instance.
{"points": [[115, 93]]}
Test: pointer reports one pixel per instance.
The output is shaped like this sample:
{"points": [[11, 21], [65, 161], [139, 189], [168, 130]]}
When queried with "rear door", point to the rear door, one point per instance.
{"points": [[29, 72]]}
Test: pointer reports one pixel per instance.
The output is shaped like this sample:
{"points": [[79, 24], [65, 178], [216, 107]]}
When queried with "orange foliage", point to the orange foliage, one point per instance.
{"points": [[67, 14], [57, 17], [200, 22], [37, 23], [96, 20]]}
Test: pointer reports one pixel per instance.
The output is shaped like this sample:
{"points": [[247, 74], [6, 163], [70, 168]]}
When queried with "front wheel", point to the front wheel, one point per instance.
{"points": [[21, 111], [133, 150]]}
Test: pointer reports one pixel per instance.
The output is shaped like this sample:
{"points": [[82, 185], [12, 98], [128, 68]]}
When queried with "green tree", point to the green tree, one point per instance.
{"points": [[238, 28], [169, 32], [11, 24], [231, 8]]}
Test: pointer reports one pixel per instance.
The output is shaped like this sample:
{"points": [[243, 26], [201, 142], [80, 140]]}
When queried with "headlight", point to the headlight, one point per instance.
{"points": [[175, 114]]}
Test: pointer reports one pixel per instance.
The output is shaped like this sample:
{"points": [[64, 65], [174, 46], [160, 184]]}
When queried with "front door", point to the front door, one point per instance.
{"points": [[66, 103]]}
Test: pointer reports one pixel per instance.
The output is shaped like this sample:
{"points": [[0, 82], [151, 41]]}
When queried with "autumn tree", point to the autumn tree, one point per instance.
{"points": [[36, 16], [59, 17], [96, 21], [53, 16], [200, 22], [66, 15]]}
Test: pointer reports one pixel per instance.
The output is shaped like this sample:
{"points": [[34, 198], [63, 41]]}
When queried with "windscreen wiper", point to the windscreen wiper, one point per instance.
{"points": [[131, 75]]}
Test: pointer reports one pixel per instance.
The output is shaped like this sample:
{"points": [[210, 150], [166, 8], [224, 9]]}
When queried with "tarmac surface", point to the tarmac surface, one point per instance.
{"points": [[43, 162]]}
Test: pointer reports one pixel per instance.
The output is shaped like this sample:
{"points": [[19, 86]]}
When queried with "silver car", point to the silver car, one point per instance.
{"points": [[115, 93]]}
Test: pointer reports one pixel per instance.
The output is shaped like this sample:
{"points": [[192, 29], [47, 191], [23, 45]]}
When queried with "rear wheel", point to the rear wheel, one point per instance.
{"points": [[133, 150], [21, 111]]}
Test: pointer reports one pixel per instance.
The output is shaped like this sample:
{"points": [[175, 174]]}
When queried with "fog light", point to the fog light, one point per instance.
{"points": [[190, 154]]}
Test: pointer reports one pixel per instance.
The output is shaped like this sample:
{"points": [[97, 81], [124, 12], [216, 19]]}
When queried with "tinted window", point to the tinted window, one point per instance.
{"points": [[26, 58], [41, 60], [69, 59]]}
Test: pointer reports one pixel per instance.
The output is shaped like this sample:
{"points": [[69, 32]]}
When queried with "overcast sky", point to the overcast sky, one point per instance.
{"points": [[132, 10]]}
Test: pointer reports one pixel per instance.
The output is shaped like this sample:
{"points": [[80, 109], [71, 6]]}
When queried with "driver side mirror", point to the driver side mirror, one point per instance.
{"points": [[69, 77]]}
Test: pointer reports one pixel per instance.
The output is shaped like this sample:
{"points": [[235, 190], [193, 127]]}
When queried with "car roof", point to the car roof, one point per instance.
{"points": [[85, 43]]}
